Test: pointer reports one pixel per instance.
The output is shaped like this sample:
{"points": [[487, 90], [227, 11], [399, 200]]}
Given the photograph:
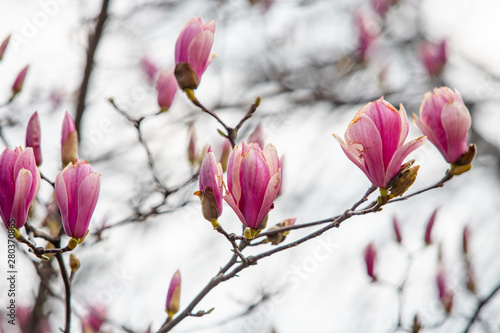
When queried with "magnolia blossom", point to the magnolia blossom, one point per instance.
{"points": [[33, 138], [368, 30], [166, 87], [375, 141], [19, 184], [69, 141], [77, 190], [446, 121], [174, 294], [433, 57], [193, 48], [253, 182], [211, 187]]}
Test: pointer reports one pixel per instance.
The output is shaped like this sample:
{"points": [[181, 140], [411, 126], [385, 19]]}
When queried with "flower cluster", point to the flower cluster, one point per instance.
{"points": [[76, 187], [375, 138], [253, 182]]}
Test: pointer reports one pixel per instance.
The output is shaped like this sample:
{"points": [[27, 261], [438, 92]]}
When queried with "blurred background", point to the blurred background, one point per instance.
{"points": [[314, 64]]}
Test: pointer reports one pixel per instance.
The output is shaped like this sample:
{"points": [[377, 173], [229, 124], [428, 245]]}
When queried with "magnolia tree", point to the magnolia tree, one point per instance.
{"points": [[235, 172]]}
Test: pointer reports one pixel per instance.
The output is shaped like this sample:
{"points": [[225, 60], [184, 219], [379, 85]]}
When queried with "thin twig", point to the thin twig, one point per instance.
{"points": [[480, 307]]}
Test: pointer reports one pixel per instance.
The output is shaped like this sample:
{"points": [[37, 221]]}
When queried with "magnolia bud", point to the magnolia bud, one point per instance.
{"points": [[3, 46], [370, 256], [69, 141], [397, 231], [430, 225], [174, 295], [279, 237], [33, 137]]}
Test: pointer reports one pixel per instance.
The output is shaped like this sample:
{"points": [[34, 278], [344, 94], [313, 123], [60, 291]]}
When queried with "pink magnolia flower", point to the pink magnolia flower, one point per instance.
{"points": [[77, 190], [445, 120], [253, 182], [226, 149], [3, 46], [166, 87], [370, 256], [19, 184], [375, 141], [69, 141], [17, 86], [174, 294], [433, 57], [211, 187], [368, 31], [194, 44], [33, 138]]}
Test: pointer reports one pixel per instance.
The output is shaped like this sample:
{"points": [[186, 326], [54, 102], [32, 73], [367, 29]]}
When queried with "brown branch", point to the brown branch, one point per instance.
{"points": [[94, 39], [480, 306], [67, 289]]}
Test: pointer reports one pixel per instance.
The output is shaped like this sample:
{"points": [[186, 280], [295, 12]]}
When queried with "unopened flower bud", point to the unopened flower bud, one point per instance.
{"points": [[370, 257], [465, 240], [74, 263], [226, 151], [211, 187], [445, 294], [279, 237], [174, 295], [417, 326], [69, 141], [192, 146], [186, 76], [3, 46], [166, 88], [17, 86], [430, 225], [33, 137], [397, 231], [404, 181]]}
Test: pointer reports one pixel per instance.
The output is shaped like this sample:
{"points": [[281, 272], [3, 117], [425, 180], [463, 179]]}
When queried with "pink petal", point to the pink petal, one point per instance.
{"points": [[272, 190], [388, 122], [427, 131], [456, 121], [363, 131], [20, 205], [233, 173], [405, 126], [190, 30], [254, 178], [199, 51], [400, 155], [354, 157], [234, 205], [88, 193], [63, 202], [7, 181], [272, 159]]}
